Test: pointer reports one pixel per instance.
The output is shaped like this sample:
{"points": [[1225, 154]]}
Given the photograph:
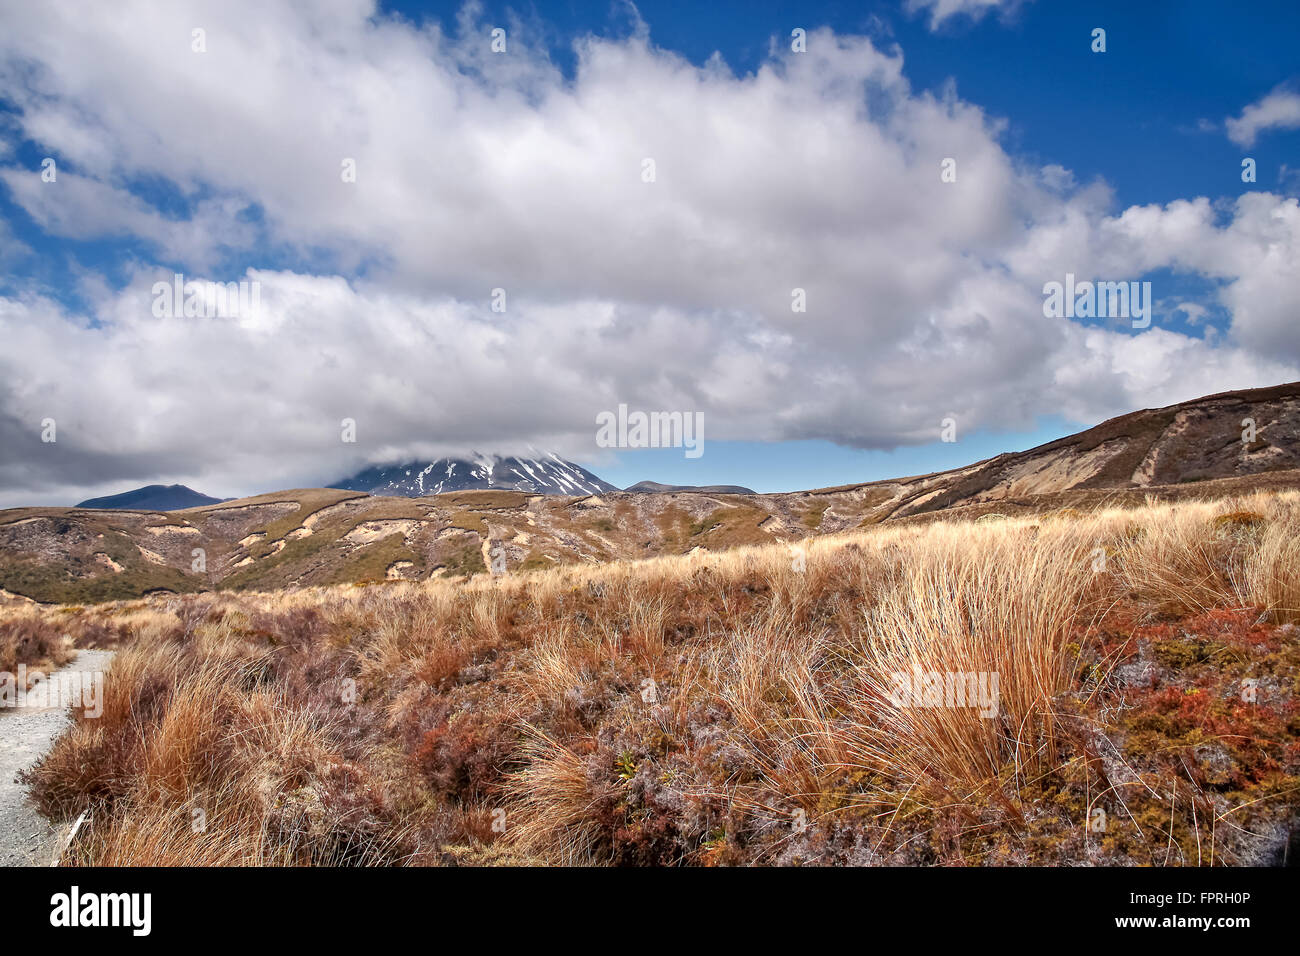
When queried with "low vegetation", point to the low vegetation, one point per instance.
{"points": [[33, 640], [722, 708]]}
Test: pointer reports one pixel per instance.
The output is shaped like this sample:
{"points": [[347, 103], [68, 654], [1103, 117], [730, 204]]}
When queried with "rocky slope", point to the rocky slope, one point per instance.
{"points": [[326, 536], [1228, 435]]}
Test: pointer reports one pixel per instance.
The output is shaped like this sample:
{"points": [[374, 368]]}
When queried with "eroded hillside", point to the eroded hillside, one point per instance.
{"points": [[304, 537]]}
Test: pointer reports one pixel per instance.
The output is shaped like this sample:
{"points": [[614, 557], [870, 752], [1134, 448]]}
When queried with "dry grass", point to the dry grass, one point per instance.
{"points": [[1272, 569], [30, 638], [716, 708]]}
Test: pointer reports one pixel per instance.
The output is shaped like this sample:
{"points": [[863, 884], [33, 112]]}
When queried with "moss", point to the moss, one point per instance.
{"points": [[1185, 653]]}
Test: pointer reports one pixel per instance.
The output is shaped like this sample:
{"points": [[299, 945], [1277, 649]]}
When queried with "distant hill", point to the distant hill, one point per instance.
{"points": [[1199, 440], [152, 498], [305, 537], [543, 475], [655, 488]]}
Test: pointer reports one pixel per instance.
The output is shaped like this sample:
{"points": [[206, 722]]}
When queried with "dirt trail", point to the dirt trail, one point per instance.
{"points": [[26, 734]]}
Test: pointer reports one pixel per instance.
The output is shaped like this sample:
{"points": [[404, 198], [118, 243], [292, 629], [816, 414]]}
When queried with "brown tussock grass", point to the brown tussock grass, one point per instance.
{"points": [[676, 710]]}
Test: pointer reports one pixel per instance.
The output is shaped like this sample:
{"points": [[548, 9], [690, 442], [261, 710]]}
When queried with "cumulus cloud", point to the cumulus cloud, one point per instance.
{"points": [[1280, 109], [477, 171], [943, 10], [79, 207]]}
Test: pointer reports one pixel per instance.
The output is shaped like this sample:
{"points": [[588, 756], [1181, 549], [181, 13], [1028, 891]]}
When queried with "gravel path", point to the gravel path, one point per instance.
{"points": [[26, 734]]}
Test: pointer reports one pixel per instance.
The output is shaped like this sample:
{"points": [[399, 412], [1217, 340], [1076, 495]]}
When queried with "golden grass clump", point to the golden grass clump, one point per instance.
{"points": [[1272, 569], [1004, 610]]}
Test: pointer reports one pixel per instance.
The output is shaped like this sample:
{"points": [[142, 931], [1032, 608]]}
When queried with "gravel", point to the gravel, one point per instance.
{"points": [[26, 735]]}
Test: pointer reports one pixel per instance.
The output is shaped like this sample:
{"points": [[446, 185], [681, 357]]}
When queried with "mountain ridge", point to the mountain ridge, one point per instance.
{"points": [[655, 487], [152, 498], [306, 537], [546, 474]]}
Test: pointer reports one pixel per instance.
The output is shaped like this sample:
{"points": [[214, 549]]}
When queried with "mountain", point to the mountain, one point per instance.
{"points": [[320, 536], [153, 498], [1227, 435], [655, 488], [547, 475]]}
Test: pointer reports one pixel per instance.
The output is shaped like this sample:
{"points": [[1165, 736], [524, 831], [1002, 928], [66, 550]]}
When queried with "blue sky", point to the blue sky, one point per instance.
{"points": [[481, 171]]}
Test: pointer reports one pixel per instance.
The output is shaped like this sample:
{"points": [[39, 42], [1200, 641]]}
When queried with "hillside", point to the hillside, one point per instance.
{"points": [[1133, 709], [1193, 441], [331, 536], [152, 498], [655, 488]]}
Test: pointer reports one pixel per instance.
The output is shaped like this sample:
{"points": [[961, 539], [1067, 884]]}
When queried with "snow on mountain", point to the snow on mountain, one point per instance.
{"points": [[547, 474]]}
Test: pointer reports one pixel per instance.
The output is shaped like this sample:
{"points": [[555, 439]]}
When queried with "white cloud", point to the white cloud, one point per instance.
{"points": [[12, 249], [1280, 109], [78, 207], [1288, 178], [943, 10], [1194, 312], [475, 171]]}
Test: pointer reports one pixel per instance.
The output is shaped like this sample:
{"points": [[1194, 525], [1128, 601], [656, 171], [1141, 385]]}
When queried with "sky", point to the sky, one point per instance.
{"points": [[825, 230]]}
